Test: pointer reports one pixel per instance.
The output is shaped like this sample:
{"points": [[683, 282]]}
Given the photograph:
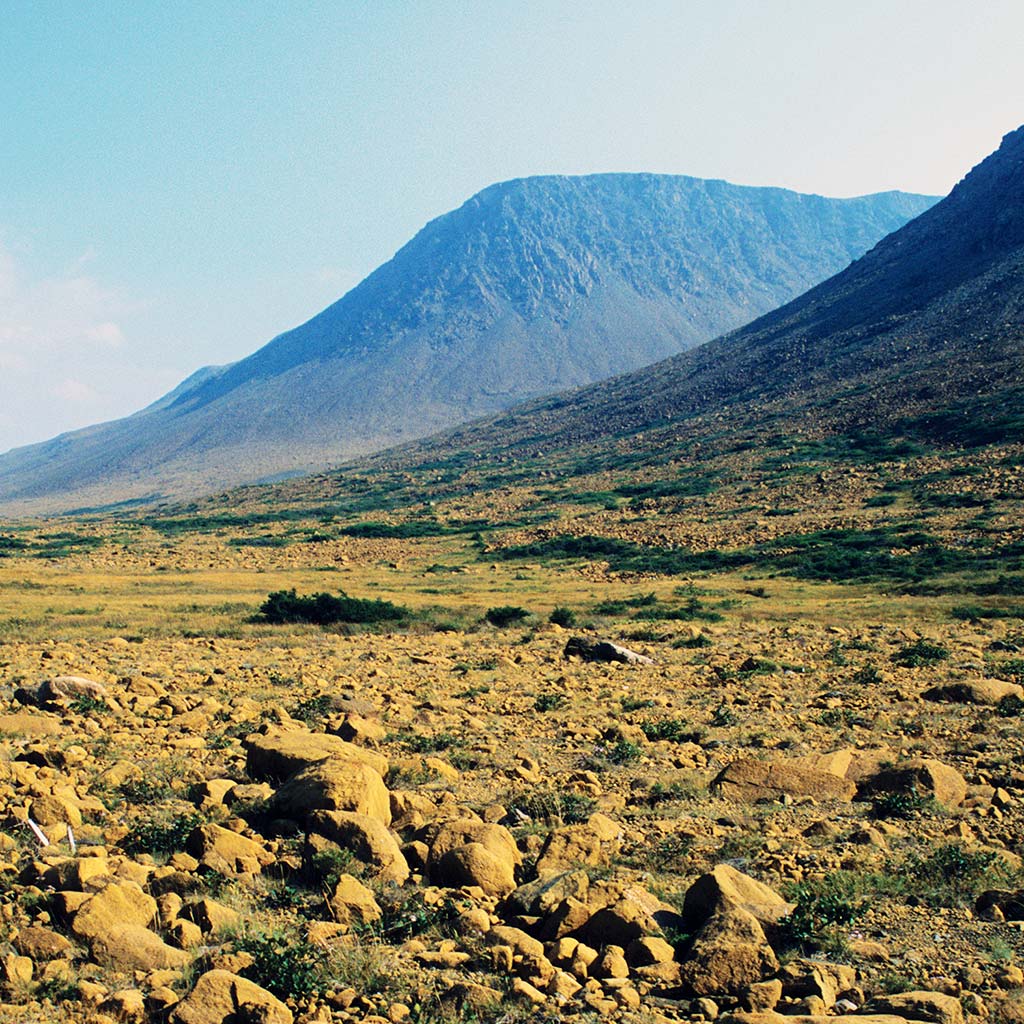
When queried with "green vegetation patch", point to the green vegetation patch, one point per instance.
{"points": [[285, 606], [900, 553]]}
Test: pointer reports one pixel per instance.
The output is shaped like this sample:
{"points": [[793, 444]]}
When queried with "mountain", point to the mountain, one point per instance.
{"points": [[531, 287], [924, 333]]}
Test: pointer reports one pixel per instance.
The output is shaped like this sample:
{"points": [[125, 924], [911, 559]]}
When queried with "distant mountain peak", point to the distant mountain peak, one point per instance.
{"points": [[530, 287]]}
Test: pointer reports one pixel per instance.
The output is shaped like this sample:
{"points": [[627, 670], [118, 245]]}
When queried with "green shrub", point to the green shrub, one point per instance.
{"points": [[424, 743], [311, 710], [919, 654], [405, 915], [86, 705], [284, 606], [623, 752], [549, 701], [505, 615], [837, 899], [906, 804], [1010, 706], [671, 729], [693, 642], [953, 876], [161, 835], [284, 962], [564, 617]]}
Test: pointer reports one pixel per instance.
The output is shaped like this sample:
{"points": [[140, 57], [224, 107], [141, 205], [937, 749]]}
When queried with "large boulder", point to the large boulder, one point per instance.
{"points": [[227, 852], [60, 688], [337, 784], [460, 831], [728, 955], [725, 887], [132, 947], [367, 838], [473, 864], [636, 914], [224, 998], [923, 776], [749, 781], [28, 724], [975, 691], [274, 756], [119, 903], [933, 1007]]}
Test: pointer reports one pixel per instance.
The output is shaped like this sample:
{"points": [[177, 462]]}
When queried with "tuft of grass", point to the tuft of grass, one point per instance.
{"points": [[549, 701]]}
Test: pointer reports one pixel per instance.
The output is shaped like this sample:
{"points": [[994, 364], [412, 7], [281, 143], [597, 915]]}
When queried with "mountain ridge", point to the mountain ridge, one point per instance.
{"points": [[530, 287], [930, 288]]}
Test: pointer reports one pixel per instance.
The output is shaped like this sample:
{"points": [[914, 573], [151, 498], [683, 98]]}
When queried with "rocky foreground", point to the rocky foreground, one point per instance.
{"points": [[408, 828]]}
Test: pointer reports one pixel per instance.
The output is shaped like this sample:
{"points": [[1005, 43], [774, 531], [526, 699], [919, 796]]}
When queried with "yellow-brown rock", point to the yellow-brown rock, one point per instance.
{"points": [[352, 903], [277, 755], [496, 838], [934, 1007], [724, 887], [41, 943], [728, 955], [369, 840], [475, 864], [227, 852], [336, 784], [748, 781], [219, 995]]}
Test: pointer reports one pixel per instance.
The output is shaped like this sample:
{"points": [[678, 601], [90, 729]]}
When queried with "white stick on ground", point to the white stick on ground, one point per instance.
{"points": [[39, 833], [71, 840]]}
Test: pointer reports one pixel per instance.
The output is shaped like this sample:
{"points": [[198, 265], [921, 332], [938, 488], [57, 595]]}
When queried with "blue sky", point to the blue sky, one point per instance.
{"points": [[182, 181]]}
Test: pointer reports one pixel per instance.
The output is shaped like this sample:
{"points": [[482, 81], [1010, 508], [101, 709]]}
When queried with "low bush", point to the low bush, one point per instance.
{"points": [[285, 606], [564, 617], [919, 654], [505, 615]]}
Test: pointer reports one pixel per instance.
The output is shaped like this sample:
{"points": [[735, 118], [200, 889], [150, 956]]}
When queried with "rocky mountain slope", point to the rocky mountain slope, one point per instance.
{"points": [[925, 331], [531, 287]]}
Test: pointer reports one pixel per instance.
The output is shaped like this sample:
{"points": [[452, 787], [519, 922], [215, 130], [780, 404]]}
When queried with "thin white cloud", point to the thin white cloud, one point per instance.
{"points": [[66, 357], [47, 316], [71, 390], [107, 333]]}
